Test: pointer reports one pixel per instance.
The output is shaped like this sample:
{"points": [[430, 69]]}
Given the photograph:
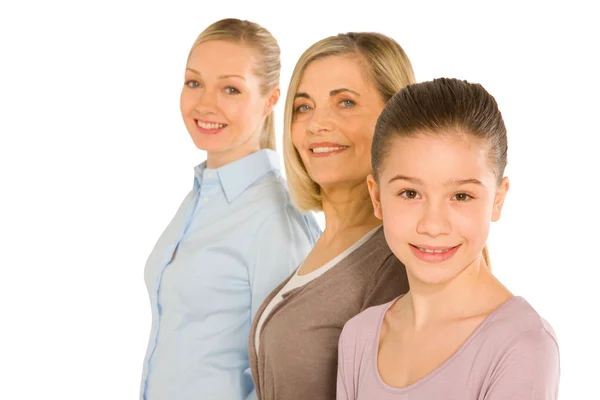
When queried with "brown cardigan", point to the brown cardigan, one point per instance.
{"points": [[297, 358]]}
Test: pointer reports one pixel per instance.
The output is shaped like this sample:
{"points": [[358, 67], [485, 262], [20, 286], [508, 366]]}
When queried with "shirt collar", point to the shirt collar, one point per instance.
{"points": [[237, 176]]}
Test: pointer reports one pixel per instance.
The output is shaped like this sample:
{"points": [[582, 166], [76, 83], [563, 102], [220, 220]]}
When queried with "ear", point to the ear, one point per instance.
{"points": [[272, 100], [499, 199], [375, 196]]}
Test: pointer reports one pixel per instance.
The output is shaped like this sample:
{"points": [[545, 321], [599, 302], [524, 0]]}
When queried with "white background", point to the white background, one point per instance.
{"points": [[94, 161]]}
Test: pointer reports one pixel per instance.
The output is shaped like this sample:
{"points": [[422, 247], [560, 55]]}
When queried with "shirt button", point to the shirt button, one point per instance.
{"points": [[206, 200], [210, 175]]}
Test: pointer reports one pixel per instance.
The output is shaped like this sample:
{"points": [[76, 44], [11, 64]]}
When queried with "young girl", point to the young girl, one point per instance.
{"points": [[236, 235], [439, 154]]}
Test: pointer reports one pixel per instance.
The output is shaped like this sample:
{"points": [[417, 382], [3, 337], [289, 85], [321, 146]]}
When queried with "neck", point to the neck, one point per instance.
{"points": [[461, 297], [346, 207], [217, 159]]}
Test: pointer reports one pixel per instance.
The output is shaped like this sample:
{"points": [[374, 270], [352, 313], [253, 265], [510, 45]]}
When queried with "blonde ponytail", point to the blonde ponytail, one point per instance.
{"points": [[267, 137]]}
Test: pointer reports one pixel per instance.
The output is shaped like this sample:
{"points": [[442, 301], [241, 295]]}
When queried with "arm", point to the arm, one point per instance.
{"points": [[345, 382], [280, 245], [529, 369], [389, 282]]}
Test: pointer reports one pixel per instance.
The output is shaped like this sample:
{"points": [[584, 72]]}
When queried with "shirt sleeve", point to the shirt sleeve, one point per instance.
{"points": [[529, 369], [281, 243], [345, 381]]}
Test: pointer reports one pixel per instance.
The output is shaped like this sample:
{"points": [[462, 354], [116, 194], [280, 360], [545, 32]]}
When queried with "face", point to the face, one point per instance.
{"points": [[221, 101], [437, 196], [335, 111]]}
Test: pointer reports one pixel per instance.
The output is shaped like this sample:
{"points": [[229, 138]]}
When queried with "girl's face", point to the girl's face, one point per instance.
{"points": [[437, 195], [221, 102]]}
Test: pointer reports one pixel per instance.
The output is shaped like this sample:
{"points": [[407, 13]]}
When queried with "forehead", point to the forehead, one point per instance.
{"points": [[438, 157], [222, 57], [332, 72]]}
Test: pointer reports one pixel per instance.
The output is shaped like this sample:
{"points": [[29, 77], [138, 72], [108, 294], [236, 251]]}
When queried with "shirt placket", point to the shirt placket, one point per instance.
{"points": [[168, 259]]}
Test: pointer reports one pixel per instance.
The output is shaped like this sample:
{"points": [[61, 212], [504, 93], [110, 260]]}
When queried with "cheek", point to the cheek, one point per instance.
{"points": [[472, 222], [398, 217], [234, 109], [399, 230], [248, 113], [359, 133], [297, 132], [186, 103]]}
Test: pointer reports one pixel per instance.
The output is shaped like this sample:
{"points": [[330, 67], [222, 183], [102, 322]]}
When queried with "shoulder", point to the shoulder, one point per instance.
{"points": [[526, 361], [268, 202], [520, 337], [375, 250], [270, 188], [366, 324], [375, 258], [518, 319], [272, 196]]}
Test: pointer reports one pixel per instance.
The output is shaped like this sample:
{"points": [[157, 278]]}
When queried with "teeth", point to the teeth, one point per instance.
{"points": [[204, 125], [327, 149], [435, 251]]}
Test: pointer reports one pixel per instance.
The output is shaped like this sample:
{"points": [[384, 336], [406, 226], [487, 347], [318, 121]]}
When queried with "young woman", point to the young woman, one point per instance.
{"points": [[236, 235], [439, 154], [338, 88]]}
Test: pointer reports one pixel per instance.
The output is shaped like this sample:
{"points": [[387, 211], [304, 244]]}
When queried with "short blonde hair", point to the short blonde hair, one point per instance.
{"points": [[268, 65], [387, 65]]}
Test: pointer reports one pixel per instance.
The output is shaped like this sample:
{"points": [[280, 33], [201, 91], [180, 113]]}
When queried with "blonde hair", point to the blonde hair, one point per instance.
{"points": [[386, 64], [268, 64]]}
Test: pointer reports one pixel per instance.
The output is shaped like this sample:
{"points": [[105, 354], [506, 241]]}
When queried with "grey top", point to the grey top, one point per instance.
{"points": [[297, 357]]}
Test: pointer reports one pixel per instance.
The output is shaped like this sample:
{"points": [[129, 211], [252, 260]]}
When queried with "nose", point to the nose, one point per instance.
{"points": [[206, 101], [321, 121], [434, 220]]}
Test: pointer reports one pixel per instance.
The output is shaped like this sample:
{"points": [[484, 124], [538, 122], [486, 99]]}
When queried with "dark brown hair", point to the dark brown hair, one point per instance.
{"points": [[443, 106]]}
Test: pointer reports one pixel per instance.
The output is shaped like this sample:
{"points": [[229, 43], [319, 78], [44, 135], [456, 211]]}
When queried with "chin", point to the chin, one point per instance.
{"points": [[435, 278], [435, 274], [210, 146], [325, 179], [329, 179]]}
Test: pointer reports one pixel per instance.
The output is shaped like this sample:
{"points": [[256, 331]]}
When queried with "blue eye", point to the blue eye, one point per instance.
{"points": [[231, 90], [347, 103], [192, 84], [302, 108]]}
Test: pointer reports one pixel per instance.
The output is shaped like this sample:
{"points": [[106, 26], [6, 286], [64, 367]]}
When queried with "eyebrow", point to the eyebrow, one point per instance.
{"points": [[415, 181], [331, 93], [220, 76], [452, 182]]}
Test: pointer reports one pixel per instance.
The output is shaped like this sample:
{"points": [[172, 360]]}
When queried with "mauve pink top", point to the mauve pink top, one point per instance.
{"points": [[512, 355]]}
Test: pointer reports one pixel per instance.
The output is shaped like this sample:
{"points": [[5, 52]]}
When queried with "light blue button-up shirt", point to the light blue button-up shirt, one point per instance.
{"points": [[235, 237]]}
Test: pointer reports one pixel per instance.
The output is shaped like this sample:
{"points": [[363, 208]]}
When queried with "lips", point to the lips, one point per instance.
{"points": [[433, 254], [320, 150], [435, 250], [326, 148], [210, 125]]}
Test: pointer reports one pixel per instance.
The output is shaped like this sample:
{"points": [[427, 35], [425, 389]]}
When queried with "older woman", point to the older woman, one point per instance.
{"points": [[338, 89]]}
